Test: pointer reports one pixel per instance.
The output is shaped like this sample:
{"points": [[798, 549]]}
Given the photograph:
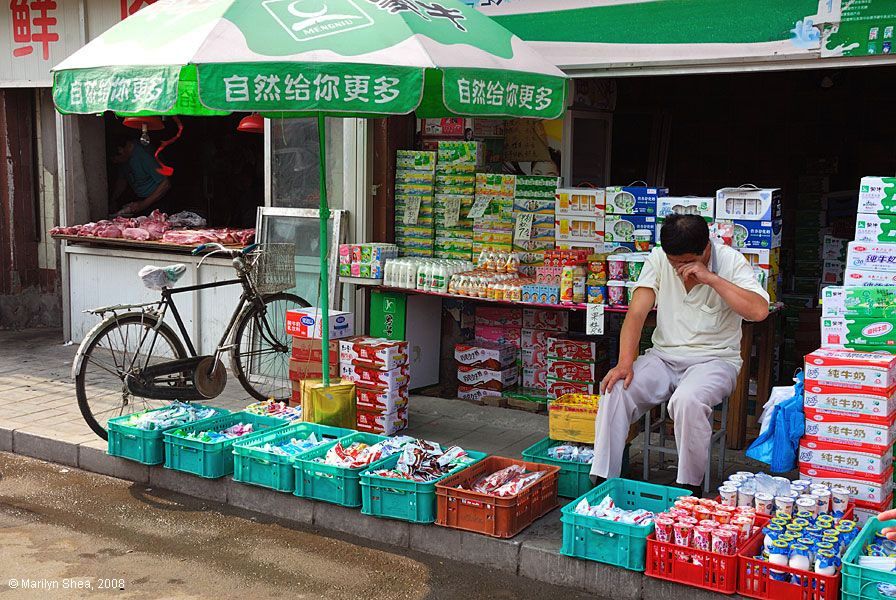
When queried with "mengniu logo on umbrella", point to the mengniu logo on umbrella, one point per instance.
{"points": [[307, 20]]}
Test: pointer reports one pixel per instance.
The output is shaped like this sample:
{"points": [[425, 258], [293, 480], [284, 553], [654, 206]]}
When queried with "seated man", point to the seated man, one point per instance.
{"points": [[702, 292]]}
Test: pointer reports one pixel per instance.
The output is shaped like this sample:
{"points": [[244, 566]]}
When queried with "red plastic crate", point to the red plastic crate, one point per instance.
{"points": [[754, 580], [493, 515], [716, 572]]}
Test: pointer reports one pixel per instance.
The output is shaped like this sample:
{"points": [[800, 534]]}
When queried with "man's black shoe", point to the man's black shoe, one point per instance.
{"points": [[695, 490], [596, 481]]}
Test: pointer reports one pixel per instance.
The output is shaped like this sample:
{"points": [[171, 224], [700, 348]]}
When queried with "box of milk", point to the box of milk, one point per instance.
{"points": [[867, 278], [877, 195], [840, 301], [852, 370], [858, 332], [872, 256], [876, 228]]}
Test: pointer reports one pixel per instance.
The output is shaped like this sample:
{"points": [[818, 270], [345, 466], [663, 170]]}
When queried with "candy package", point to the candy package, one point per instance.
{"points": [[506, 482], [234, 431], [572, 452], [607, 509], [281, 410], [359, 454], [178, 413], [424, 461], [293, 447]]}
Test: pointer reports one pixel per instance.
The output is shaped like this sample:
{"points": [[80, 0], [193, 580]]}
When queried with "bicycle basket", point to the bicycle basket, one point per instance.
{"points": [[273, 267]]}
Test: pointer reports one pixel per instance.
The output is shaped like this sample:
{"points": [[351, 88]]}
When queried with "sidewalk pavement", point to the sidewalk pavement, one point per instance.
{"points": [[39, 417]]}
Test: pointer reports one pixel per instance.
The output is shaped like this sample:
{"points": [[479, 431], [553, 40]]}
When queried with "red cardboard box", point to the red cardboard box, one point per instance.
{"points": [[306, 323], [557, 388], [498, 334], [371, 377], [841, 458], [559, 347], [865, 489], [485, 354], [309, 350], [535, 378], [843, 430], [374, 397], [388, 354], [487, 378], [534, 357], [539, 318], [373, 422], [499, 316], [300, 369], [852, 370], [467, 392], [570, 370], [536, 338]]}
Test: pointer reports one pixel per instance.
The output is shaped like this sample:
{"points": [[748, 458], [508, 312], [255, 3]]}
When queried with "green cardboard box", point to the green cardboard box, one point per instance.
{"points": [[858, 332]]}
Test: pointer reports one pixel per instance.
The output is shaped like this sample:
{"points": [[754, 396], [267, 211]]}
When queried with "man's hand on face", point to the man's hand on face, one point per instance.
{"points": [[695, 272]]}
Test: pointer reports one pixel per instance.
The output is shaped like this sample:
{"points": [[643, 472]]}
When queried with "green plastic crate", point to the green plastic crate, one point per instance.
{"points": [[617, 544], [330, 483], [255, 466], [860, 583], [211, 459], [402, 499], [141, 445], [574, 478]]}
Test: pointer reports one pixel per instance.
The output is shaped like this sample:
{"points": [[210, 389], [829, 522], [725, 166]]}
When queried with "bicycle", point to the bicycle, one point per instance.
{"points": [[133, 356]]}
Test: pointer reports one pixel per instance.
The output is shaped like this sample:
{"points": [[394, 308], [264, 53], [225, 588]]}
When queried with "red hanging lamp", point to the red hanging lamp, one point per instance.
{"points": [[145, 124], [253, 123]]}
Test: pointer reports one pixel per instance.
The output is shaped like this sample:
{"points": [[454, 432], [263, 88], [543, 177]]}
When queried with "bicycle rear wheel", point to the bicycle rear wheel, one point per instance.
{"points": [[261, 348], [114, 348]]}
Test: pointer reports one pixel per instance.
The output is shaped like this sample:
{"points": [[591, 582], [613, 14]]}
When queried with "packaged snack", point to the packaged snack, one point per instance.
{"points": [[386, 354], [484, 354], [487, 378]]}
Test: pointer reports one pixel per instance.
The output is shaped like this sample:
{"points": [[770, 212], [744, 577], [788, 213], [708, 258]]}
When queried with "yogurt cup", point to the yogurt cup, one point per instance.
{"points": [[643, 238], [616, 267], [635, 264], [616, 295]]}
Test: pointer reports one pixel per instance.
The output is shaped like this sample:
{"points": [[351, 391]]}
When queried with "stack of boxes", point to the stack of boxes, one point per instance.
{"points": [[485, 370], [534, 195], [630, 209], [494, 229], [833, 256], [454, 194], [574, 366], [871, 259], [379, 369], [580, 219], [306, 361], [414, 188]]}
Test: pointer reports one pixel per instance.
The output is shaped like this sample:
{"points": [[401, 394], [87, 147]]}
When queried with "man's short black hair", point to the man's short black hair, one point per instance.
{"points": [[684, 234]]}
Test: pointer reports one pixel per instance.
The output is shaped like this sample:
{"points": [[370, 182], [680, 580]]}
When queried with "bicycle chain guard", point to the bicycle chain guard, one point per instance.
{"points": [[210, 377]]}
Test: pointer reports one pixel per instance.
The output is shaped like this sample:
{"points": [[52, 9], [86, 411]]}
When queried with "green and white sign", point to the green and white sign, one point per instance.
{"points": [[865, 28]]}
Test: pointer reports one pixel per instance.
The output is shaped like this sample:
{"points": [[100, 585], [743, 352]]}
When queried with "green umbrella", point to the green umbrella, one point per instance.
{"points": [[348, 58]]}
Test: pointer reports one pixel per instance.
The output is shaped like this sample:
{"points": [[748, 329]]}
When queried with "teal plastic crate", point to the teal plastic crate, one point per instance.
{"points": [[253, 465], [574, 478], [617, 544], [330, 483], [144, 446], [860, 583], [402, 499], [211, 459]]}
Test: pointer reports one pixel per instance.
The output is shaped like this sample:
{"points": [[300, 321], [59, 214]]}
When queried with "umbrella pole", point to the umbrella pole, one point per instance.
{"points": [[324, 245]]}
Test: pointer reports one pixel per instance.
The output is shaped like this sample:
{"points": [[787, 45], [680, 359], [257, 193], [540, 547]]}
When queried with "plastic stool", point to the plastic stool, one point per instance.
{"points": [[659, 427]]}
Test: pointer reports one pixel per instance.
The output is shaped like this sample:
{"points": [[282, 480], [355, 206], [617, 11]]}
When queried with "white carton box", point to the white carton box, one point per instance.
{"points": [[877, 195], [872, 256], [865, 278], [876, 228], [306, 323], [748, 204], [870, 405], [685, 205], [843, 459]]}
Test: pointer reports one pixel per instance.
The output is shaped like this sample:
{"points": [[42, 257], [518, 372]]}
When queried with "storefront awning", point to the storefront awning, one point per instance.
{"points": [[626, 37]]}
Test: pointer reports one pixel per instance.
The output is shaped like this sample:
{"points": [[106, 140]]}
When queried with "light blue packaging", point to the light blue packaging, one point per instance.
{"points": [[621, 228], [633, 200], [757, 234]]}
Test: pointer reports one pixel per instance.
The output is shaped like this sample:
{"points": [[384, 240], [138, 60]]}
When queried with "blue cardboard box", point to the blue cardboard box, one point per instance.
{"points": [[621, 228], [757, 234], [633, 200]]}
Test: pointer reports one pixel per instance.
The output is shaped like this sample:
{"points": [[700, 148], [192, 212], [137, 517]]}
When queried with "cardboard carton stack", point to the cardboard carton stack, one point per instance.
{"points": [[414, 188], [871, 258], [539, 326], [485, 370], [574, 366], [494, 229], [454, 193], [306, 360], [534, 195], [630, 209], [379, 369], [580, 219]]}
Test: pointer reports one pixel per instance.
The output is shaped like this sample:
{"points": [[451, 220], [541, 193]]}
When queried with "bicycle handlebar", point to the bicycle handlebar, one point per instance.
{"points": [[220, 248]]}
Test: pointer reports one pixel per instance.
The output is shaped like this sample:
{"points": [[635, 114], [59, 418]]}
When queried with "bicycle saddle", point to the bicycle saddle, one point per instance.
{"points": [[158, 278]]}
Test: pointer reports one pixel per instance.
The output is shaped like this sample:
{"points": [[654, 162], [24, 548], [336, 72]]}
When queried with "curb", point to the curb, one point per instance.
{"points": [[532, 554]]}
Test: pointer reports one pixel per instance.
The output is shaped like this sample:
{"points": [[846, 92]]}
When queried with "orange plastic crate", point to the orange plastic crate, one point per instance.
{"points": [[707, 570], [493, 515]]}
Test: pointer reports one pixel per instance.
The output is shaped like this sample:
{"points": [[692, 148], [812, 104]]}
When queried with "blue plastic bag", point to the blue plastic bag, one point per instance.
{"points": [[779, 445]]}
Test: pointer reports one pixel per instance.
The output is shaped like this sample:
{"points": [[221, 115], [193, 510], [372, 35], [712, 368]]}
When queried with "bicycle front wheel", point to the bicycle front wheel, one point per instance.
{"points": [[116, 347], [261, 348]]}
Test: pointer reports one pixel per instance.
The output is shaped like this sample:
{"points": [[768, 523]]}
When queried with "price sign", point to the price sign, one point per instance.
{"points": [[452, 212], [523, 229], [479, 207], [411, 210], [594, 319]]}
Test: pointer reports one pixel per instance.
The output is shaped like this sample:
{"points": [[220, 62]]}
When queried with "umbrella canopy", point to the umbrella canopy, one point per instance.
{"points": [[337, 57]]}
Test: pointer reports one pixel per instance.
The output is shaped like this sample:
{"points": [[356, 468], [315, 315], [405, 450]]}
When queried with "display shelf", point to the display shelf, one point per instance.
{"points": [[609, 309], [360, 281]]}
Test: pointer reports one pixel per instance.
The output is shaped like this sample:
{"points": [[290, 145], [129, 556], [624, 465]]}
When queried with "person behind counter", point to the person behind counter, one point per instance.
{"points": [[138, 179], [702, 292]]}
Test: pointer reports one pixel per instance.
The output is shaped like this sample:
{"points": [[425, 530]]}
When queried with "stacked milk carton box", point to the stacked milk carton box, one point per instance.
{"points": [[485, 370], [871, 258], [494, 229], [574, 366], [850, 407], [379, 369], [533, 204], [630, 209]]}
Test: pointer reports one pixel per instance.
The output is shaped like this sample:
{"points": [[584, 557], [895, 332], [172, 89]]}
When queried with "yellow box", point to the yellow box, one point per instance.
{"points": [[572, 418]]}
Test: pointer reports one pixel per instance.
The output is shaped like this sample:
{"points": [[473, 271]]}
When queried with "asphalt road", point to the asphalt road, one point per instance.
{"points": [[66, 533]]}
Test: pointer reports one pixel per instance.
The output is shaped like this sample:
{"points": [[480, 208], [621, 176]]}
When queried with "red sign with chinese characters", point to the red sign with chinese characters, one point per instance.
{"points": [[33, 24], [129, 7]]}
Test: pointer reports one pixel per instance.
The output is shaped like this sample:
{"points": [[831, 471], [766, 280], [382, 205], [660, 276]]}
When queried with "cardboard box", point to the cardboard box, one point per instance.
{"points": [[748, 204], [832, 272], [872, 256], [497, 316], [877, 195], [536, 338], [870, 406], [685, 205], [303, 369], [868, 278], [843, 430], [581, 202], [757, 234], [498, 335], [851, 370], [390, 424], [309, 350], [386, 354], [769, 258], [540, 293], [374, 378], [834, 248], [858, 332], [536, 378], [630, 200], [485, 354], [475, 394], [382, 402], [570, 349], [534, 358], [579, 229], [305, 323], [557, 388], [488, 378], [862, 511], [839, 301], [571, 370], [876, 228], [548, 320], [863, 488], [621, 228], [843, 459]]}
